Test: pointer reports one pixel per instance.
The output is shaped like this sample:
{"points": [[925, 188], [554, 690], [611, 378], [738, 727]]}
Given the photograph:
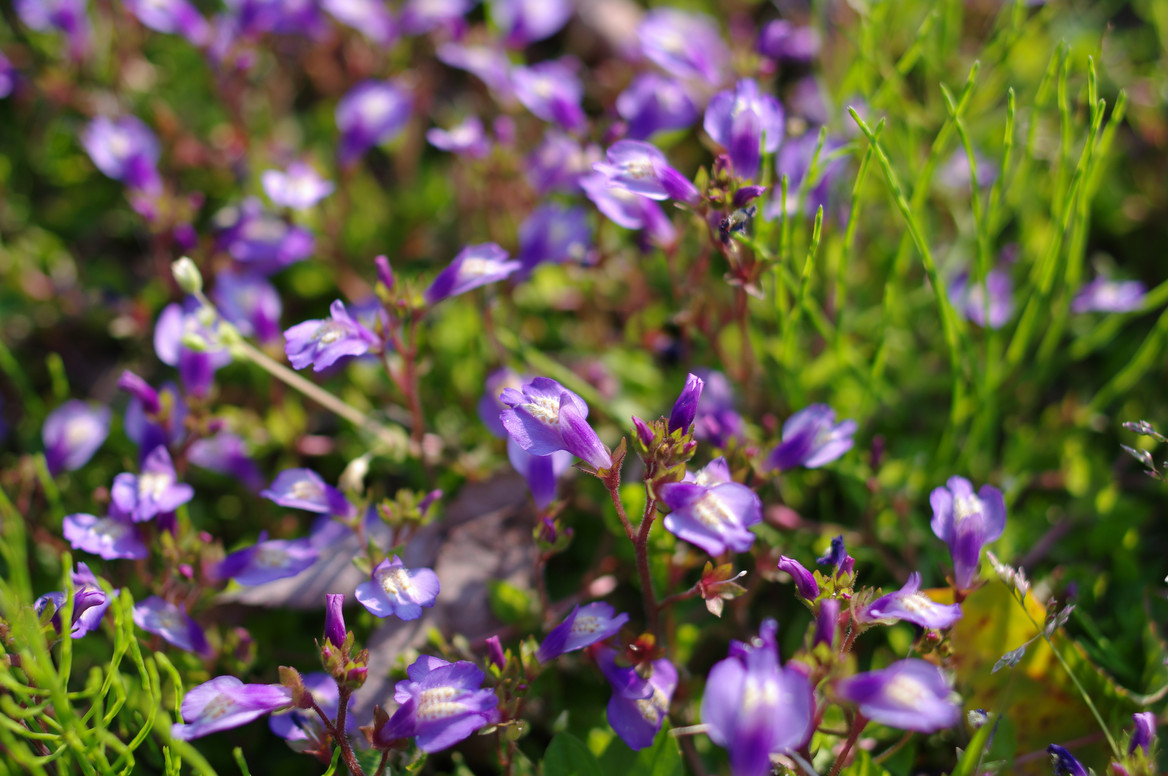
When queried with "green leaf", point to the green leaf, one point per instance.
{"points": [[510, 604], [661, 759], [862, 765], [567, 755]]}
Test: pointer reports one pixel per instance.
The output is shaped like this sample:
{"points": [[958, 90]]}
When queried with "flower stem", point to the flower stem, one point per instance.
{"points": [[858, 725], [337, 732]]}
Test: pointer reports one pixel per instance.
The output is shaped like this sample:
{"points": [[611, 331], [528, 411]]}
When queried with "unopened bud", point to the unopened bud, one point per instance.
{"points": [[187, 275]]}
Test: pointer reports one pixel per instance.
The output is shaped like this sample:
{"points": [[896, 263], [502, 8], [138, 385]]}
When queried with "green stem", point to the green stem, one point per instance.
{"points": [[1066, 667]]}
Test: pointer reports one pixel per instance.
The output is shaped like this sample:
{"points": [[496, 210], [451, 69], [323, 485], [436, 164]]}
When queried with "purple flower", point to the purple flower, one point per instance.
{"points": [[969, 299], [261, 239], [642, 169], [639, 704], [302, 728], [172, 17], [465, 139], [552, 92], [7, 76], [754, 708], [226, 702], [474, 266], [250, 303], [826, 622], [441, 704], [687, 45], [812, 438], [911, 605], [373, 112], [629, 210], [711, 511], [334, 618], [396, 590], [489, 64], [559, 163], [165, 425], [125, 150], [307, 490], [72, 434], [225, 453], [805, 583], [66, 16], [155, 491], [554, 233], [794, 161], [540, 471], [837, 557], [681, 417], [369, 17], [654, 102], [324, 342], [717, 422], [967, 522], [526, 21], [490, 405], [584, 626], [782, 41], [544, 416], [1144, 733], [910, 695], [743, 120], [108, 537], [1063, 763], [422, 16], [299, 187], [176, 325], [267, 561], [172, 623], [141, 390], [1109, 296], [89, 603]]}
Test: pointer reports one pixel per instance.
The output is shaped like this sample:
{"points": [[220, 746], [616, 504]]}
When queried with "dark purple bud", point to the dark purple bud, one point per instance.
{"points": [[495, 652], [384, 272], [644, 431], [138, 387], [1145, 731], [428, 501], [1063, 763], [805, 583], [746, 194], [686, 406], [826, 622], [837, 556], [334, 618]]}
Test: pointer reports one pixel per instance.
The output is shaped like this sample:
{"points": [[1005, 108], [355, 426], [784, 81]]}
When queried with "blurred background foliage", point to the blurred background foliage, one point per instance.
{"points": [[82, 279]]}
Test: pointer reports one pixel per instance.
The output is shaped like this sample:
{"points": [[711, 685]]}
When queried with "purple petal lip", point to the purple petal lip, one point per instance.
{"points": [[441, 704], [72, 433], [305, 489], [225, 702], [397, 591], [107, 537], [911, 605], [584, 626], [910, 695]]}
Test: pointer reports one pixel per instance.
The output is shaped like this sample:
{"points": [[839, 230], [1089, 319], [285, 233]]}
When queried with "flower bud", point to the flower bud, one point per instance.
{"points": [[384, 272], [187, 275], [334, 619], [686, 406], [495, 652], [805, 583], [826, 622]]}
